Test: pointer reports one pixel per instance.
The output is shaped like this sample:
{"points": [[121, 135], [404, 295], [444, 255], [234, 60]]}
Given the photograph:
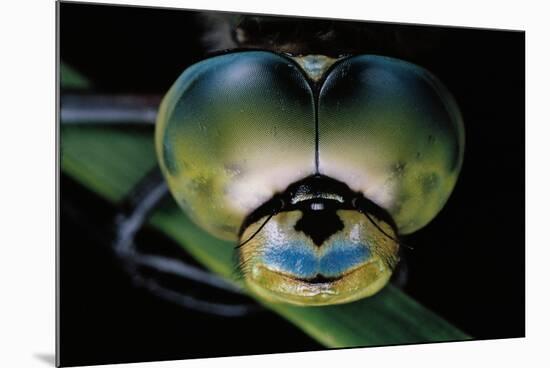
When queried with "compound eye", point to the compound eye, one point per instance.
{"points": [[232, 131], [390, 130]]}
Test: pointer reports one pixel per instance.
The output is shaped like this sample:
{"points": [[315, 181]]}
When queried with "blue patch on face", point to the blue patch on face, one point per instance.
{"points": [[341, 256], [302, 260], [294, 258]]}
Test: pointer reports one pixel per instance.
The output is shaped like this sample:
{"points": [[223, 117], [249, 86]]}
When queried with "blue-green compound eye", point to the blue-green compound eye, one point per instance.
{"points": [[315, 175], [390, 130], [231, 132]]}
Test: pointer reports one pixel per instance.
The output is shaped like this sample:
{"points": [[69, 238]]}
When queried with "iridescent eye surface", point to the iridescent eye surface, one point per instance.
{"points": [[314, 166], [392, 131], [231, 132]]}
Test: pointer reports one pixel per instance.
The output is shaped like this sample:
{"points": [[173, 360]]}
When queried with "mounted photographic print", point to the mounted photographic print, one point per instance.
{"points": [[235, 184]]}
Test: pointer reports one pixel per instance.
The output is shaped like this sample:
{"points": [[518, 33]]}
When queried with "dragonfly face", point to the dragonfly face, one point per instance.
{"points": [[313, 165]]}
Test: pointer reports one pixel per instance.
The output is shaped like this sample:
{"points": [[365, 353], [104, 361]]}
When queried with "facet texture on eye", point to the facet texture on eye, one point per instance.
{"points": [[392, 131], [232, 131]]}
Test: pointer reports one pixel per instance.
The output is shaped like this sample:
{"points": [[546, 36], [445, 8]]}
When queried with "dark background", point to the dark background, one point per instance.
{"points": [[468, 264]]}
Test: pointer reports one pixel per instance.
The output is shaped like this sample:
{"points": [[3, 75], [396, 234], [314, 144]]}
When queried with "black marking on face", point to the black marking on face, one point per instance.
{"points": [[319, 225], [319, 198], [320, 279]]}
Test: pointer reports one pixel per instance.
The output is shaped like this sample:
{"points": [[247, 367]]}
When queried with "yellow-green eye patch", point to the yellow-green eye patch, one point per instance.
{"points": [[232, 131], [390, 129]]}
